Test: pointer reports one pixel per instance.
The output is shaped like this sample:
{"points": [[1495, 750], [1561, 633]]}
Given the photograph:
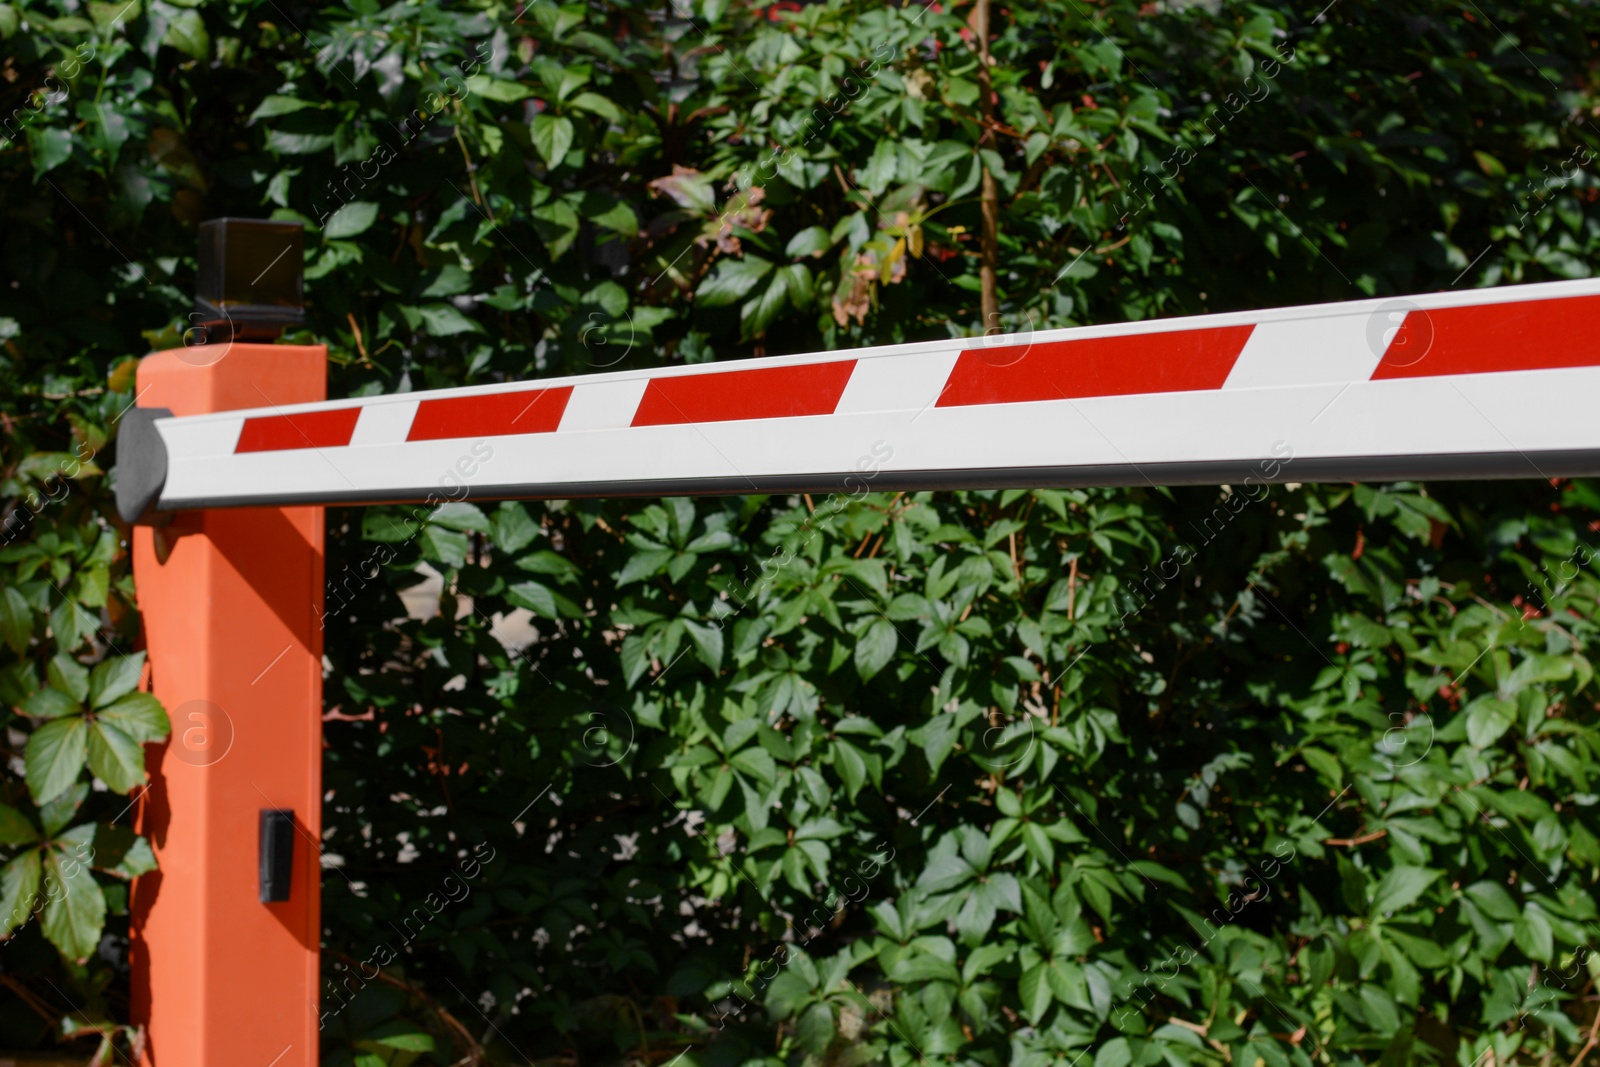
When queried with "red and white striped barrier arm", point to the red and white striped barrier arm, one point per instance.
{"points": [[1489, 383]]}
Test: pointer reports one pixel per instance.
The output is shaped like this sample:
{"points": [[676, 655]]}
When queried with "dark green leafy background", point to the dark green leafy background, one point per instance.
{"points": [[1254, 776]]}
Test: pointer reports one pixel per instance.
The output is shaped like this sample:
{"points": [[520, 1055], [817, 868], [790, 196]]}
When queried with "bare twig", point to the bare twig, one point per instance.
{"points": [[474, 1050], [1594, 1038], [988, 270], [35, 1003]]}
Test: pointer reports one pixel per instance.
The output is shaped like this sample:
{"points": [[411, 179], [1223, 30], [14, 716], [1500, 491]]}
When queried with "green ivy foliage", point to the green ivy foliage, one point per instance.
{"points": [[1277, 774]]}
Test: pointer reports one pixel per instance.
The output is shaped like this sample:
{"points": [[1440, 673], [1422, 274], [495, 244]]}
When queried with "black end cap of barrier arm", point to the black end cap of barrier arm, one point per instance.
{"points": [[141, 465]]}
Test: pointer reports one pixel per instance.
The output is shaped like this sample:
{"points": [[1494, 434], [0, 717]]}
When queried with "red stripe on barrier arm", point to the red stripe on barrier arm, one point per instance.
{"points": [[1172, 362], [303, 429], [727, 396], [1484, 338], [491, 414]]}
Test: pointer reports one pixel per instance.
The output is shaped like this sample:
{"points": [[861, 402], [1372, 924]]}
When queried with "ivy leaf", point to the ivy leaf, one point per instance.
{"points": [[74, 915], [1488, 719], [69, 676], [976, 916], [801, 290], [596, 104], [55, 754], [1114, 1053], [15, 829], [399, 1034], [114, 849], [794, 871], [1533, 935], [274, 106], [1066, 982], [459, 515], [875, 648], [70, 624], [106, 16], [50, 146], [445, 320], [298, 144], [707, 641], [50, 704], [500, 90], [1491, 166], [57, 813], [94, 585], [114, 678], [721, 783], [1494, 900], [542, 601], [1401, 887], [732, 279], [938, 739], [350, 220], [16, 619], [756, 315], [757, 763], [816, 1027], [982, 903], [115, 758], [386, 528], [923, 966], [635, 657], [851, 766], [138, 715], [513, 529], [711, 541], [444, 546], [645, 564], [19, 886], [1034, 989], [620, 218], [546, 562], [187, 33], [552, 136], [811, 241], [557, 224], [945, 872]]}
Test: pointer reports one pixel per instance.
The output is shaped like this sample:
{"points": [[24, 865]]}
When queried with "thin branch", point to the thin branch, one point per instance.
{"points": [[1594, 1038], [35, 1003], [474, 1049]]}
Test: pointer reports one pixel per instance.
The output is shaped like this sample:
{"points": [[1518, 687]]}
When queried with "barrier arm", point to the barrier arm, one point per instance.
{"points": [[1485, 384]]}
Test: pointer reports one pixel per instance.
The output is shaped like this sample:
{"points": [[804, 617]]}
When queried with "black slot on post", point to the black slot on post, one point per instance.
{"points": [[277, 854]]}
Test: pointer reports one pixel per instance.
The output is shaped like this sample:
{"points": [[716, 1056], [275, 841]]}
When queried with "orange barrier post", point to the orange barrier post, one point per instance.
{"points": [[232, 603]]}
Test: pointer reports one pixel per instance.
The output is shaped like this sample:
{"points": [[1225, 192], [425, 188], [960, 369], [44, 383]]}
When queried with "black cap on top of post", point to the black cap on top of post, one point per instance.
{"points": [[251, 282]]}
